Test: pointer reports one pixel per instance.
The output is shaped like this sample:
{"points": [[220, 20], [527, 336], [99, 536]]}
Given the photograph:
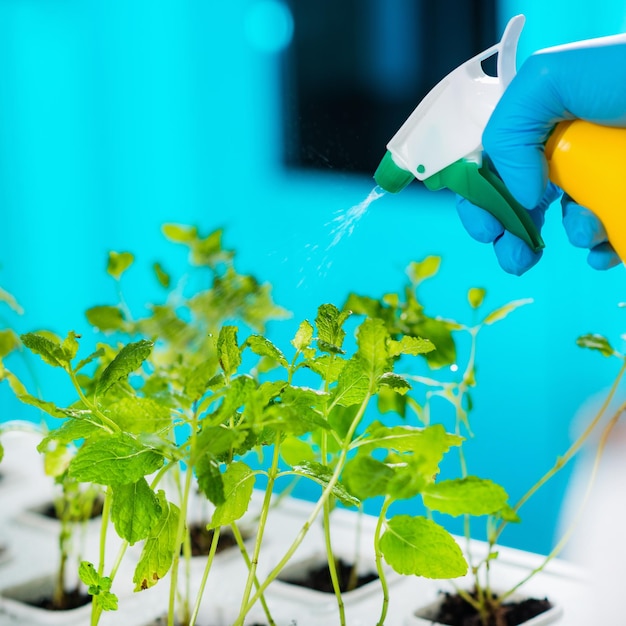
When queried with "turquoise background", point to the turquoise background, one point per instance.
{"points": [[116, 117]]}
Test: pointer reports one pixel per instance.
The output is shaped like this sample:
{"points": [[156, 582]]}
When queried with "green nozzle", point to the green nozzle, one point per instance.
{"points": [[391, 177]]}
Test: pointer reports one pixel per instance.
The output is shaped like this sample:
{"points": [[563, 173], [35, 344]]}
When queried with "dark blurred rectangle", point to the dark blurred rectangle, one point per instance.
{"points": [[357, 68]]}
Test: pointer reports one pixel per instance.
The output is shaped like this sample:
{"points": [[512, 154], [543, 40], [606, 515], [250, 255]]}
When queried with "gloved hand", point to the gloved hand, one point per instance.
{"points": [[584, 80]]}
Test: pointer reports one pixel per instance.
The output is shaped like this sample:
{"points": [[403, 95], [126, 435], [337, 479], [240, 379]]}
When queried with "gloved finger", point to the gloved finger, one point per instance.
{"points": [[479, 224], [603, 257], [575, 81], [513, 254], [582, 227]]}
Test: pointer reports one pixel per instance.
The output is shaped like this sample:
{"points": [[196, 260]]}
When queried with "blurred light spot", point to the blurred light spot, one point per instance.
{"points": [[454, 367], [269, 25]]}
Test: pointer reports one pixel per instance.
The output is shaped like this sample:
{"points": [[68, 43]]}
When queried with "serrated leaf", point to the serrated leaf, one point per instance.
{"points": [[353, 384], [135, 414], [106, 318], [118, 263], [69, 431], [48, 407], [329, 323], [418, 546], [92, 357], [228, 350], [396, 382], [410, 345], [201, 379], [327, 366], [388, 401], [439, 332], [88, 574], [470, 495], [304, 336], [265, 348], [210, 479], [502, 312], [372, 337], [217, 440], [365, 477], [322, 474], [49, 351], [596, 342], [135, 510], [118, 459], [70, 345], [128, 359], [238, 486], [159, 548]]}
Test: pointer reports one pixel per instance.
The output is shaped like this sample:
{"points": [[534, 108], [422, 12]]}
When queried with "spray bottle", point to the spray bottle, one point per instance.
{"points": [[441, 144]]}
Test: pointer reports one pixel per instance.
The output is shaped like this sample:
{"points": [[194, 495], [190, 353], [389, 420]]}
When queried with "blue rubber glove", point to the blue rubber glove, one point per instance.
{"points": [[585, 80]]}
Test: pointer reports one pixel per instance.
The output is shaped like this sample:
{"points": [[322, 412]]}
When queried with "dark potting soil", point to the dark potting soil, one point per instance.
{"points": [[318, 578], [455, 611], [73, 600], [201, 540], [49, 510]]}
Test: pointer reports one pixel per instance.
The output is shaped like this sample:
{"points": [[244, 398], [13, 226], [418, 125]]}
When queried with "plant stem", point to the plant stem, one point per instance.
{"points": [[573, 449], [113, 427], [205, 575], [568, 533], [326, 493], [330, 555], [379, 560], [267, 503], [246, 558], [104, 527]]}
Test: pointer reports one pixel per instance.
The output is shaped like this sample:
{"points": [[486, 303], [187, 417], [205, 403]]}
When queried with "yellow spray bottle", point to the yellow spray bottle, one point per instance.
{"points": [[588, 161], [441, 144]]}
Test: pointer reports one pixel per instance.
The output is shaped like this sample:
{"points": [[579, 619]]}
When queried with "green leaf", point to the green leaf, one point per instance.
{"points": [[304, 336], [118, 459], [128, 359], [162, 276], [476, 296], [135, 414], [228, 350], [265, 348], [418, 546], [9, 341], [118, 263], [365, 477], [295, 451], [470, 495], [419, 271], [372, 337], [210, 479], [135, 510], [159, 548], [299, 411], [69, 431], [180, 233], [98, 586], [92, 357], [322, 474], [396, 382], [389, 401], [202, 378], [329, 322], [439, 332], [238, 487], [70, 345], [596, 342], [218, 440], [328, 366], [410, 345], [353, 384], [48, 407], [9, 300], [49, 351], [106, 318], [502, 312]]}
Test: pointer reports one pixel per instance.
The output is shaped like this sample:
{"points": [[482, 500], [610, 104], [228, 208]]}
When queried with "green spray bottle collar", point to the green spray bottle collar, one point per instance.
{"points": [[482, 187]]}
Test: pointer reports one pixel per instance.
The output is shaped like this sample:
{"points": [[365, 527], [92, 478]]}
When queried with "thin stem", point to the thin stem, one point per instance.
{"points": [[205, 575], [568, 533], [379, 560], [326, 493], [267, 501], [246, 558], [106, 511], [573, 449], [91, 405]]}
